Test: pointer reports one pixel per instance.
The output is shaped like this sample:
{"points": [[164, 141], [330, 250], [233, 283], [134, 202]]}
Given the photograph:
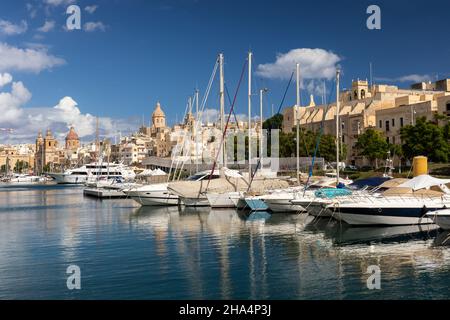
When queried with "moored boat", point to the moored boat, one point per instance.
{"points": [[441, 218], [407, 204]]}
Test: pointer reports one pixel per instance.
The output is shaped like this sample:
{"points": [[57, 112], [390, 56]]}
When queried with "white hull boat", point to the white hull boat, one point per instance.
{"points": [[220, 200], [441, 218], [153, 195], [201, 201], [280, 205], [394, 211], [94, 172]]}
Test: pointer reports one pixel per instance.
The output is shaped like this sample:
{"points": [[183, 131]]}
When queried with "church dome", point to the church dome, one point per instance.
{"points": [[72, 135], [158, 111]]}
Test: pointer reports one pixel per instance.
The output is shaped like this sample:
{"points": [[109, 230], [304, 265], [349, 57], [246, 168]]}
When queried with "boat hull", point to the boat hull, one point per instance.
{"points": [[61, 178], [195, 202], [220, 200], [103, 193], [316, 208], [283, 205], [385, 216], [252, 204], [441, 218], [155, 201]]}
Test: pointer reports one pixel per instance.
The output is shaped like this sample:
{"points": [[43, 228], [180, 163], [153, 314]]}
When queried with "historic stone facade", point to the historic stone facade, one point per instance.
{"points": [[384, 107]]}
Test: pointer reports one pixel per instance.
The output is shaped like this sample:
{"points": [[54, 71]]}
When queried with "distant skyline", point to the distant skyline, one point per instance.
{"points": [[132, 53]]}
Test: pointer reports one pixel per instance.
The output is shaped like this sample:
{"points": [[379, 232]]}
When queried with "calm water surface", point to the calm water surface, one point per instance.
{"points": [[127, 252]]}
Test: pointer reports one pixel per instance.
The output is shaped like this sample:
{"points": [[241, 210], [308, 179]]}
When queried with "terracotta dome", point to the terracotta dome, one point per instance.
{"points": [[72, 135], [158, 111]]}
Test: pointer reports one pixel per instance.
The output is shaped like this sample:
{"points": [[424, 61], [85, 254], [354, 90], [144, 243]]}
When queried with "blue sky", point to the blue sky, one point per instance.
{"points": [[138, 52]]}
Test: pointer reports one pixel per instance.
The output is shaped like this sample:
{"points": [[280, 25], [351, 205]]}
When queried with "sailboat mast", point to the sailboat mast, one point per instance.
{"points": [[250, 56], [338, 74], [261, 92], [222, 106], [97, 141], [199, 127], [297, 120]]}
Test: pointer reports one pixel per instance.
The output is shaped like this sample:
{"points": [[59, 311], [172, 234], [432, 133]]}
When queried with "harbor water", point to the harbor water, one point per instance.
{"points": [[127, 252]]}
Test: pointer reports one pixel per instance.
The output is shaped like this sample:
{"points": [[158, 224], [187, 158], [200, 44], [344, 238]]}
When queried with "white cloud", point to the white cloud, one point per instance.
{"points": [[56, 3], [26, 122], [48, 26], [415, 78], [408, 78], [30, 60], [94, 26], [91, 9], [314, 64], [11, 103], [8, 28], [5, 78], [32, 11]]}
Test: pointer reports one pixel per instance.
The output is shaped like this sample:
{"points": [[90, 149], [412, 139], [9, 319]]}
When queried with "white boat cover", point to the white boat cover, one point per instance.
{"points": [[232, 173], [152, 173], [423, 182], [159, 172]]}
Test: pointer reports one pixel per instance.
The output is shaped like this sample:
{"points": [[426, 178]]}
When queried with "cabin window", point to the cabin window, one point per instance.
{"points": [[387, 125]]}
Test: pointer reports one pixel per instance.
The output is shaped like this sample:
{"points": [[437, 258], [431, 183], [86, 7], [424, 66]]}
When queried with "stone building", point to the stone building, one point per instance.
{"points": [[384, 107], [72, 140], [50, 153], [46, 151], [17, 156]]}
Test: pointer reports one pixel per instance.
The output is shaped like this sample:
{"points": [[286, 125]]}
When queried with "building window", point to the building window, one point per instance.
{"points": [[448, 108], [387, 140], [393, 140], [401, 122], [363, 94], [381, 124], [387, 125], [393, 123]]}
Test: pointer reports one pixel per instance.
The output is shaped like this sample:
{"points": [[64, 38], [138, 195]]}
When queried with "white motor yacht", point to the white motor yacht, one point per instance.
{"points": [[93, 172], [407, 204]]}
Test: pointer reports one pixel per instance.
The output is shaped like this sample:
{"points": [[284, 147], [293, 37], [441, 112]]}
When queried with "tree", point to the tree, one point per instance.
{"points": [[426, 139], [21, 166], [46, 168], [275, 122], [373, 145]]}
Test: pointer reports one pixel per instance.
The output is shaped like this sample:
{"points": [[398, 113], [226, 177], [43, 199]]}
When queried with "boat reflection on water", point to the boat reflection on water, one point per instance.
{"points": [[313, 250], [442, 239], [343, 234]]}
